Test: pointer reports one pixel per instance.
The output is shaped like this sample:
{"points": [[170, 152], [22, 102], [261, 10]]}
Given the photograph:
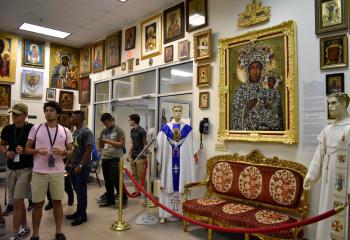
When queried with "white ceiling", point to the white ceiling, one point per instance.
{"points": [[87, 20]]}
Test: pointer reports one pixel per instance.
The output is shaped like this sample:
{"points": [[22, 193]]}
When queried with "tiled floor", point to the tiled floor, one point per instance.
{"points": [[100, 220]]}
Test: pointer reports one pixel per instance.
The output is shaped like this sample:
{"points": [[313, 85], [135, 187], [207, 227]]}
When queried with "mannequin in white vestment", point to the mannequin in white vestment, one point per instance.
{"points": [[331, 163], [177, 155]]}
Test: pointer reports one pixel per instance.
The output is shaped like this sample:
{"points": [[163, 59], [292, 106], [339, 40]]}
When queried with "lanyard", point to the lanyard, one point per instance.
{"points": [[54, 139], [20, 134]]}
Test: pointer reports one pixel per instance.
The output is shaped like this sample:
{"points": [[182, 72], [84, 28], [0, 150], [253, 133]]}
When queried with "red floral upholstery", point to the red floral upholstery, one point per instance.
{"points": [[203, 206], [271, 185]]}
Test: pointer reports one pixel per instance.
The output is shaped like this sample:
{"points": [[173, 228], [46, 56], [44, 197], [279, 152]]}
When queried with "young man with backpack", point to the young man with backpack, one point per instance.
{"points": [[49, 143]]}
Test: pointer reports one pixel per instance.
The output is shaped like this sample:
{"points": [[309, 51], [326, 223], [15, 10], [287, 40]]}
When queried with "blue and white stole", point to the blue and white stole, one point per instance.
{"points": [[176, 145]]}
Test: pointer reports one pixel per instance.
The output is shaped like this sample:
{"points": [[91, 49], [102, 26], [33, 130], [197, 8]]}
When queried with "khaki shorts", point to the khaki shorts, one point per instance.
{"points": [[138, 168], [18, 182], [41, 182]]}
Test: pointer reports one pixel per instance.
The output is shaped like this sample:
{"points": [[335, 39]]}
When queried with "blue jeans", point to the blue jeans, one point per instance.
{"points": [[79, 182]]}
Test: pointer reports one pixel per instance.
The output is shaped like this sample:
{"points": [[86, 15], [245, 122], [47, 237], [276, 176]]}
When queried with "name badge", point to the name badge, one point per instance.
{"points": [[16, 159]]}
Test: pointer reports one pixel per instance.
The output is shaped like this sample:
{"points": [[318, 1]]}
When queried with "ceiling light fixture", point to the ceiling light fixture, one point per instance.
{"points": [[196, 19], [123, 0], [43, 30]]}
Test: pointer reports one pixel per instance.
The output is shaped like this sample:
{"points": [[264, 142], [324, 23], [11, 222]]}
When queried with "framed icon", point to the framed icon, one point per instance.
{"points": [[334, 83], [202, 45], [151, 37], [50, 94], [183, 50], [66, 100], [33, 53], [203, 75], [204, 99], [130, 38], [174, 23], [334, 51], [85, 61], [169, 54], [113, 48], [98, 59], [32, 84], [331, 15]]}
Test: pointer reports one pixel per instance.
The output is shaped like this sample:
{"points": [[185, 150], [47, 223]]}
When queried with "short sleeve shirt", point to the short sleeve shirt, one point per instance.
{"points": [[138, 136], [115, 134], [81, 138], [40, 135], [14, 137]]}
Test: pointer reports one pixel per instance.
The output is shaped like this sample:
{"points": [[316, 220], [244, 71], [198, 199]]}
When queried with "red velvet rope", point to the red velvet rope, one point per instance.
{"points": [[236, 229], [134, 195]]}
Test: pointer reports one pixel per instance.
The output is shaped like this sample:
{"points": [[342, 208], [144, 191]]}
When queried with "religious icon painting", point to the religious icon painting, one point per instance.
{"points": [[258, 82], [113, 47], [130, 65], [331, 15], [85, 61], [123, 66], [174, 23], [183, 50], [84, 90], [33, 53], [8, 57], [334, 83], [32, 84], [334, 51], [98, 59], [202, 45], [64, 119], [85, 110], [4, 120], [130, 38], [66, 100], [151, 37], [5, 96], [203, 75], [169, 54], [50, 94], [204, 100], [196, 14], [64, 67]]}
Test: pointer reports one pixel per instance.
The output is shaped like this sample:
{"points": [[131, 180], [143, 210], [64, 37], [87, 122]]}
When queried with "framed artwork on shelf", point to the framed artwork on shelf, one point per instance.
{"points": [[32, 84], [130, 65], [202, 45], [85, 110], [5, 96], [174, 23], [98, 59], [4, 120], [50, 94], [258, 82], [64, 67], [84, 90], [196, 14], [334, 83], [130, 38], [334, 51], [184, 50], [204, 100], [66, 100], [64, 119], [113, 47], [123, 66], [169, 54], [151, 37], [8, 54], [33, 53], [331, 15], [203, 75], [85, 61]]}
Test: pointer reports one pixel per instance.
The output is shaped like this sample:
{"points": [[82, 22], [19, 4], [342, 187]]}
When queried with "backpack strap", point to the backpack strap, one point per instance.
{"points": [[37, 130]]}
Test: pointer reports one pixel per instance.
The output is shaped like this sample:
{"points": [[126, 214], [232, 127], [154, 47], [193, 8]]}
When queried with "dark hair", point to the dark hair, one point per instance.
{"points": [[54, 105], [106, 116], [135, 117], [80, 113]]}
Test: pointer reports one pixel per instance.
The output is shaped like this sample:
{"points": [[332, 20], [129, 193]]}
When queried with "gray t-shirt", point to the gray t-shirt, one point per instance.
{"points": [[115, 134], [81, 138]]}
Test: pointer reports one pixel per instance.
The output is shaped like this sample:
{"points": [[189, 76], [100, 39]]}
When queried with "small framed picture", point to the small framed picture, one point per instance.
{"points": [[334, 83], [130, 38], [169, 53], [331, 15], [137, 62], [184, 50], [151, 37], [33, 53], [84, 90], [123, 66], [5, 96], [130, 65], [32, 84], [50, 94], [334, 51], [174, 23], [64, 119], [203, 75], [66, 100], [202, 45], [204, 99], [85, 61], [113, 48], [196, 14], [85, 110], [4, 120], [98, 58]]}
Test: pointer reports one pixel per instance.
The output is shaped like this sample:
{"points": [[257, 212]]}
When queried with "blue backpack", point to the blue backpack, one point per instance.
{"points": [[95, 155]]}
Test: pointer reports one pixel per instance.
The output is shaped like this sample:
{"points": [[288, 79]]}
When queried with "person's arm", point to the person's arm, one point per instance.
{"points": [[120, 142], [8, 154], [31, 151]]}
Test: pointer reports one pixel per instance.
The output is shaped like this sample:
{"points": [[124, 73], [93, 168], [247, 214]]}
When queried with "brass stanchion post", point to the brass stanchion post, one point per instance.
{"points": [[120, 225]]}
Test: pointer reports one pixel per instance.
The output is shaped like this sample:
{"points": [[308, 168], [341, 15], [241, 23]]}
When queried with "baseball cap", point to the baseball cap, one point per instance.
{"points": [[19, 108]]}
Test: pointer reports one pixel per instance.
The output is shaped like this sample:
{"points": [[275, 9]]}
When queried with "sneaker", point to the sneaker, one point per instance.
{"points": [[8, 210], [2, 228], [23, 232]]}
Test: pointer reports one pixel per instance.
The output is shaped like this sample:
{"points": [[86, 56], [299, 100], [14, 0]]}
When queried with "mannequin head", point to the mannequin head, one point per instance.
{"points": [[338, 104], [177, 112]]}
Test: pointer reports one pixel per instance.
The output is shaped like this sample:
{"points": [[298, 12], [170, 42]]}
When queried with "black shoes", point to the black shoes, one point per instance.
{"points": [[8, 210], [106, 204], [78, 221], [60, 236], [71, 216]]}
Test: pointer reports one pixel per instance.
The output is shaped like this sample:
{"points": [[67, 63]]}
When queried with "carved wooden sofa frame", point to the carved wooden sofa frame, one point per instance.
{"points": [[298, 210]]}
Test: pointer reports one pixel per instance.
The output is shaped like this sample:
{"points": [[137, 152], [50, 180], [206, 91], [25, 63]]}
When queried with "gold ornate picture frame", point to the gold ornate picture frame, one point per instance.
{"points": [[334, 51], [151, 37], [204, 100], [202, 45], [331, 15], [203, 75], [258, 86], [8, 53]]}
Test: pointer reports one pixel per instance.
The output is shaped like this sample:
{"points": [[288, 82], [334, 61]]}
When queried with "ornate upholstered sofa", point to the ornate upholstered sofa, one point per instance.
{"points": [[250, 191]]}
